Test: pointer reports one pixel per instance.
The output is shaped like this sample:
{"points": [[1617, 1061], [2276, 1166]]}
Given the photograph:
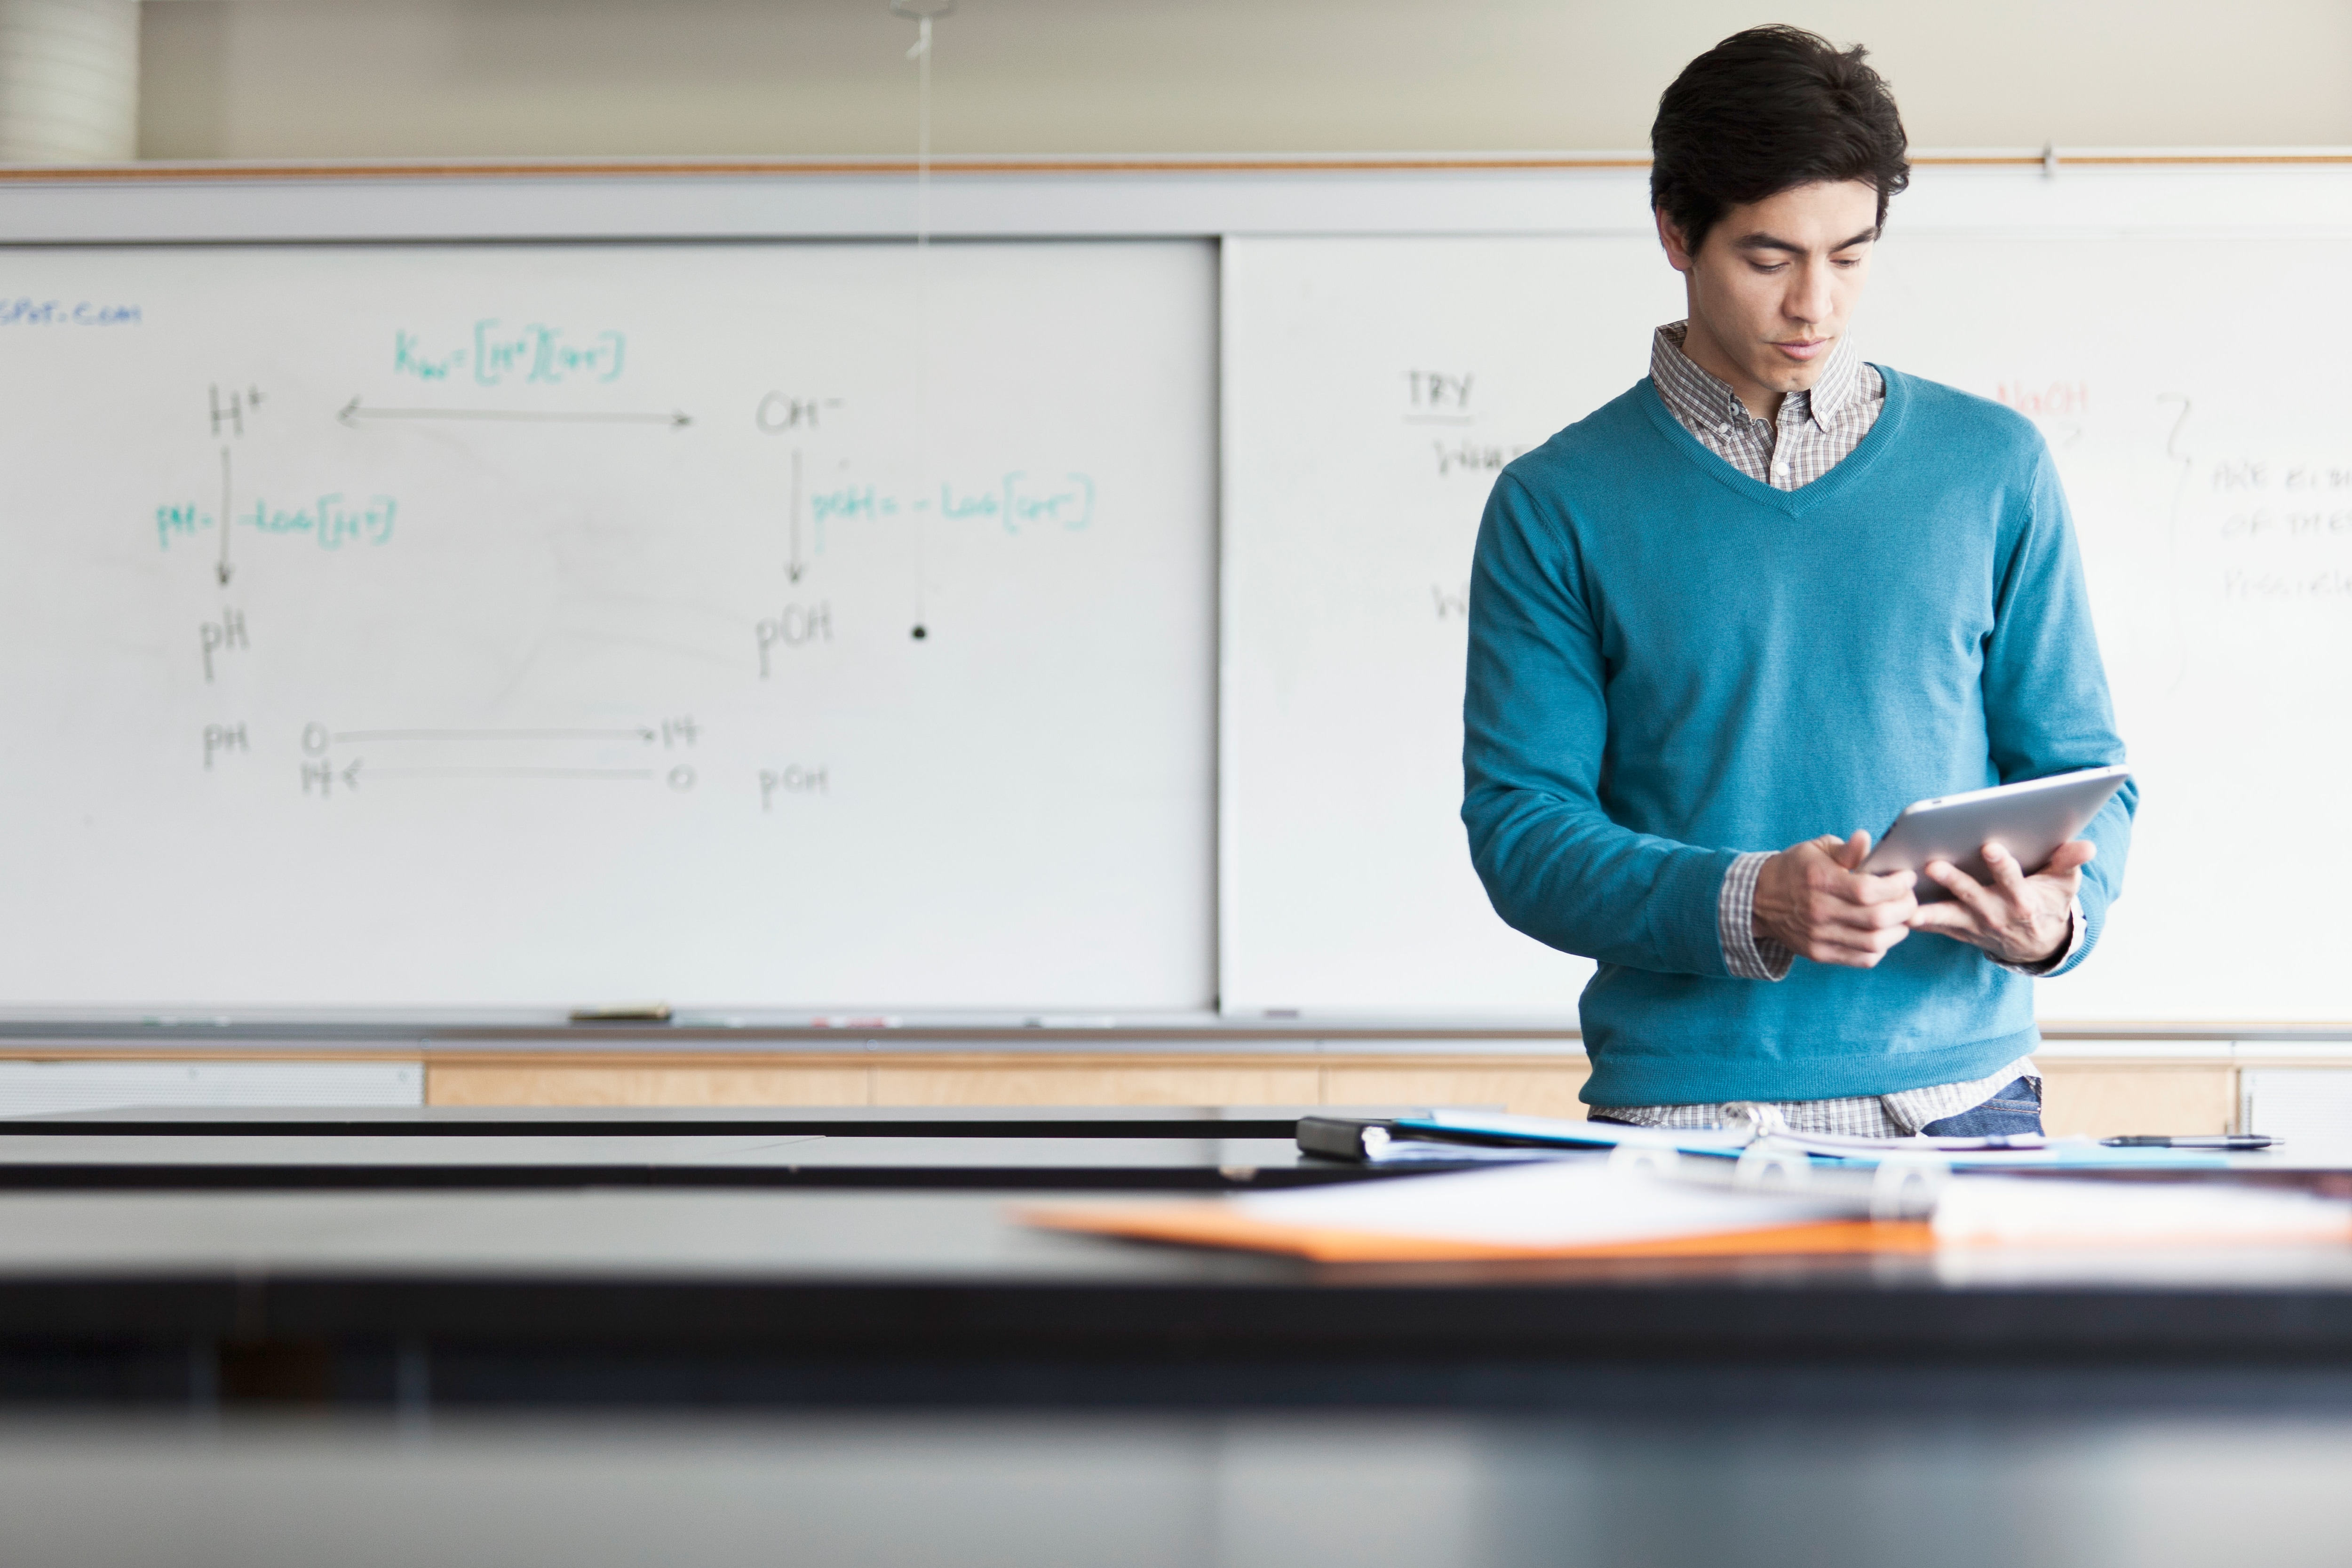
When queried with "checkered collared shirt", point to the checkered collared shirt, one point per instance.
{"points": [[1816, 430]]}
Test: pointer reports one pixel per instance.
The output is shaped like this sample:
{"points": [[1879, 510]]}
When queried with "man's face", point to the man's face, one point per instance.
{"points": [[1775, 283]]}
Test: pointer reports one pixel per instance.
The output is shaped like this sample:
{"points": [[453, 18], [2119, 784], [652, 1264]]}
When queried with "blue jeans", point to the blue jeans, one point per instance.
{"points": [[2016, 1109]]}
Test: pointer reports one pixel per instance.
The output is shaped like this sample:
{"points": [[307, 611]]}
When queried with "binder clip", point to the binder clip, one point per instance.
{"points": [[1907, 1184], [1761, 1165], [1635, 1159]]}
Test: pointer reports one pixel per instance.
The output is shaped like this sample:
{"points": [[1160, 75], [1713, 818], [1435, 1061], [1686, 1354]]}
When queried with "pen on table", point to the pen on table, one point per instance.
{"points": [[2194, 1141]]}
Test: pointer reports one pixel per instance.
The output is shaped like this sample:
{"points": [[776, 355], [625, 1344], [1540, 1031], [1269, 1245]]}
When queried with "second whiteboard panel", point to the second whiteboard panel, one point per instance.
{"points": [[1373, 390]]}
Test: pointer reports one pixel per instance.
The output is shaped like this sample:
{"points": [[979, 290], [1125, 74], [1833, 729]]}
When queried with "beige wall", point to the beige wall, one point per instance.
{"points": [[294, 79]]}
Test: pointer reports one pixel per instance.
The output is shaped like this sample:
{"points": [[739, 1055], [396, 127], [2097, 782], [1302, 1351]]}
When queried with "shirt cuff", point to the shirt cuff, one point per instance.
{"points": [[1747, 956], [2075, 928]]}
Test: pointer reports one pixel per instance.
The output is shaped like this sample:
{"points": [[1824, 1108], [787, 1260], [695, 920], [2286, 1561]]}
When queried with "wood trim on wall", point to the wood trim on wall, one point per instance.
{"points": [[2104, 1098], [1546, 1086], [773, 168], [2092, 1097]]}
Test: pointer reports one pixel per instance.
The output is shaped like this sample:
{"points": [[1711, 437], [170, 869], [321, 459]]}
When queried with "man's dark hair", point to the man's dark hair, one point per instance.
{"points": [[1766, 109]]}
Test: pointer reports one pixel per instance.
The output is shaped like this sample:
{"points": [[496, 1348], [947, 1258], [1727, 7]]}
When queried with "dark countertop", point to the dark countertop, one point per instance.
{"points": [[798, 1296], [655, 1122], [312, 1159], [593, 1261]]}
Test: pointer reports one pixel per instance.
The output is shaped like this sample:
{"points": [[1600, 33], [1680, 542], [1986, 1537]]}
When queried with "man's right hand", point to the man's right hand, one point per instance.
{"points": [[1812, 900]]}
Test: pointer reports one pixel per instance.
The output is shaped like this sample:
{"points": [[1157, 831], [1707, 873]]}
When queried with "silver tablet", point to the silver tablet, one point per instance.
{"points": [[2031, 820]]}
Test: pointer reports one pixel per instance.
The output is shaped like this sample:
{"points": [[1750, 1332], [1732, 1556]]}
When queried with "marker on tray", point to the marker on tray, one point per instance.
{"points": [[622, 1013]]}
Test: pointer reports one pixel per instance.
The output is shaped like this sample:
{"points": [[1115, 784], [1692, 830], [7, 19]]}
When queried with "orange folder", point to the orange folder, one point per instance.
{"points": [[1227, 1226]]}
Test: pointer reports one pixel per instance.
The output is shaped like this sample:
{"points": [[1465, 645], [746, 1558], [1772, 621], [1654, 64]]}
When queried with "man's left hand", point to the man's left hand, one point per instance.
{"points": [[2017, 919]]}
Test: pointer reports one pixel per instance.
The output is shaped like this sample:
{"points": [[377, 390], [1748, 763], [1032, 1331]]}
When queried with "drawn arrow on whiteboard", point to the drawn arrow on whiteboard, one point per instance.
{"points": [[511, 773], [639, 733], [795, 566], [225, 569], [352, 413]]}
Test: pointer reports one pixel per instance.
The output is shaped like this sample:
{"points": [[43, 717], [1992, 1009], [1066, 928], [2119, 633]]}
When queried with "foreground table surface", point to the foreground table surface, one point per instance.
{"points": [[829, 1296], [1176, 1492], [1179, 1490], [427, 1261]]}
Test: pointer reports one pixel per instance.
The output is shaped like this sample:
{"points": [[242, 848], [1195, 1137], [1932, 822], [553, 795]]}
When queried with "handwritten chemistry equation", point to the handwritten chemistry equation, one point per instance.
{"points": [[331, 521], [341, 764], [332, 764], [496, 354], [512, 371], [493, 355], [1014, 502]]}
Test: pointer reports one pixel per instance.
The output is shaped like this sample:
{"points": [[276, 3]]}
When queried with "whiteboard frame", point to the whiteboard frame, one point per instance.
{"points": [[2180, 190], [2245, 192]]}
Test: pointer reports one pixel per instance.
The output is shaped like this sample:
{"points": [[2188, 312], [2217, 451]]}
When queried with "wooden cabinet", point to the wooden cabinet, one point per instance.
{"points": [[2096, 1095]]}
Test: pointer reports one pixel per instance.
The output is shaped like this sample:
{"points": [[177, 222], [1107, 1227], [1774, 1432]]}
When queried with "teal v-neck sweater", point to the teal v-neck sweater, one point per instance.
{"points": [[1672, 663]]}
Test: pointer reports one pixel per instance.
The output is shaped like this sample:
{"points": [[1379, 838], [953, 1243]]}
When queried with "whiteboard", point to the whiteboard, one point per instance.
{"points": [[1373, 388], [2211, 475], [534, 626], [2187, 385]]}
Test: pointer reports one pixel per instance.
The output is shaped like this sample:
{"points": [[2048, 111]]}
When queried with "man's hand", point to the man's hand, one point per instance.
{"points": [[1812, 900], [2019, 919]]}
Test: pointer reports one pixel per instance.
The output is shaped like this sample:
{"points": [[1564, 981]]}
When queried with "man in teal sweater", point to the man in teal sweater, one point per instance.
{"points": [[1769, 597]]}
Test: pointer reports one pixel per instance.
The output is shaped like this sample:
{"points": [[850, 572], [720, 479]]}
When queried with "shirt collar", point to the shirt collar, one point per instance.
{"points": [[1700, 398]]}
